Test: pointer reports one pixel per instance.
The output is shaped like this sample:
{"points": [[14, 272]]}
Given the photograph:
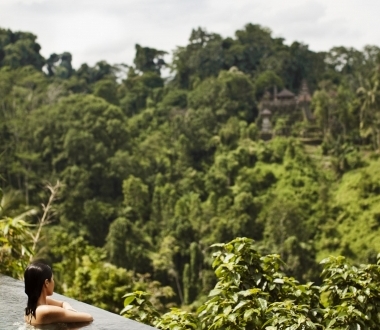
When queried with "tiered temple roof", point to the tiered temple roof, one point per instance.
{"points": [[285, 94]]}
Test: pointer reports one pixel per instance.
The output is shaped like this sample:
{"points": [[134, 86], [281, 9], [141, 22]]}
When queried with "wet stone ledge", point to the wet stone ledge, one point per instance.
{"points": [[13, 302]]}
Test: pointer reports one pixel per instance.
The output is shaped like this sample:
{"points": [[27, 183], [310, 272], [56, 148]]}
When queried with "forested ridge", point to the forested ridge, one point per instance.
{"points": [[154, 169]]}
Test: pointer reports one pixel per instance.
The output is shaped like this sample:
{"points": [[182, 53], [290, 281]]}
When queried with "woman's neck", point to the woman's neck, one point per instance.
{"points": [[42, 299]]}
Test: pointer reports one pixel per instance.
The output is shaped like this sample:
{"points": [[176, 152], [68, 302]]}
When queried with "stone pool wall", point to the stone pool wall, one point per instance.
{"points": [[13, 302]]}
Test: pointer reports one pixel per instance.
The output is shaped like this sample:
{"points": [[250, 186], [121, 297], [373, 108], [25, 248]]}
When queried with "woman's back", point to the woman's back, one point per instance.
{"points": [[47, 314], [41, 308]]}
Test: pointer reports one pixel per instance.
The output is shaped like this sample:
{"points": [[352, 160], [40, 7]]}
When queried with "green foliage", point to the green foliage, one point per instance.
{"points": [[136, 196], [265, 81], [155, 170], [136, 89], [127, 246], [353, 227], [64, 69], [252, 292], [99, 283], [231, 94], [16, 237], [191, 273], [352, 294], [19, 49], [106, 90], [84, 132], [248, 285], [175, 98], [149, 59], [15, 246], [177, 319], [82, 272], [138, 307]]}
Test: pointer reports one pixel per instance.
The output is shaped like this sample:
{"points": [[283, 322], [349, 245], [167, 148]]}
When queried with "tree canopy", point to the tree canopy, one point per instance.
{"points": [[156, 168]]}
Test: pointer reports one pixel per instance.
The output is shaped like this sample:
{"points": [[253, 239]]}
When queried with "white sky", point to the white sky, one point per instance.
{"points": [[93, 30]]}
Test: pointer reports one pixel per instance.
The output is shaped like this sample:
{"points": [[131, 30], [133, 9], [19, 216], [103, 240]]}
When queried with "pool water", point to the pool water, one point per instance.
{"points": [[58, 326], [13, 302]]}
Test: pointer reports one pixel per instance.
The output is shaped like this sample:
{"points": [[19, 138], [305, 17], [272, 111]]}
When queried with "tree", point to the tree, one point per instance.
{"points": [[154, 170], [19, 49], [163, 261], [191, 273], [15, 246], [107, 90], [202, 58], [136, 197], [231, 94], [266, 80], [252, 292], [18, 237], [87, 75], [23, 91], [369, 95], [127, 246], [64, 69], [137, 88], [99, 283], [76, 137], [149, 59]]}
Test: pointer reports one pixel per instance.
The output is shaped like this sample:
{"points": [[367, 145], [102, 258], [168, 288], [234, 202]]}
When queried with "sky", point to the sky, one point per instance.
{"points": [[94, 30]]}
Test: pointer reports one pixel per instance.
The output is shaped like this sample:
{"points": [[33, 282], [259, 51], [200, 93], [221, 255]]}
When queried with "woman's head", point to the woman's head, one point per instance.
{"points": [[37, 276]]}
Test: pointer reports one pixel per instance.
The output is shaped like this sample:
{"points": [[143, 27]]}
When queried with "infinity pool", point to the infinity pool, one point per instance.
{"points": [[13, 302]]}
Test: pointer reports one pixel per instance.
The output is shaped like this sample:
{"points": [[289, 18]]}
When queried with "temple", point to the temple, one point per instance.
{"points": [[288, 114]]}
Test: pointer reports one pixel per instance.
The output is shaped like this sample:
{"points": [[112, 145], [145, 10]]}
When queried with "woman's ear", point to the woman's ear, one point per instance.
{"points": [[46, 282]]}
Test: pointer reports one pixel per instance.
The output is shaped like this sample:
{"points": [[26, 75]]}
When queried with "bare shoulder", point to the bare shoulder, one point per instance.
{"points": [[46, 314], [51, 301]]}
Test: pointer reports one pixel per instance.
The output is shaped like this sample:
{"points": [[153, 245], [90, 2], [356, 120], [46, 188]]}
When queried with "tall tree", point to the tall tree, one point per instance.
{"points": [[149, 59]]}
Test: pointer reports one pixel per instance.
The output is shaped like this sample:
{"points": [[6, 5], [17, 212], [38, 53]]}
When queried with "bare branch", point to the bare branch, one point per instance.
{"points": [[44, 220]]}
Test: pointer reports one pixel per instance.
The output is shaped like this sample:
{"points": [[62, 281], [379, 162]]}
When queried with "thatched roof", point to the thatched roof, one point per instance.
{"points": [[285, 94]]}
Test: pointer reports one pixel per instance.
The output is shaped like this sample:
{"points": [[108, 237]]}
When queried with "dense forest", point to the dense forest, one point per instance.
{"points": [[153, 170]]}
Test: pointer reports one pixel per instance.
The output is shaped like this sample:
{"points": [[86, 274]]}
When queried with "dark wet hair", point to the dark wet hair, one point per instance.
{"points": [[34, 277]]}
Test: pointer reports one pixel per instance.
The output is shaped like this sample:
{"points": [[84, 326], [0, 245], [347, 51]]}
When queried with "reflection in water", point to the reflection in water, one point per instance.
{"points": [[25, 326]]}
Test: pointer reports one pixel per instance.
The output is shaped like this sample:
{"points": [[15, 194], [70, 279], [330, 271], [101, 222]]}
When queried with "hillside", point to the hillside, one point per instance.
{"points": [[156, 170]]}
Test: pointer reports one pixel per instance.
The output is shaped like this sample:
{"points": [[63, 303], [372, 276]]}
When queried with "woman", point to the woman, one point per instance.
{"points": [[41, 309]]}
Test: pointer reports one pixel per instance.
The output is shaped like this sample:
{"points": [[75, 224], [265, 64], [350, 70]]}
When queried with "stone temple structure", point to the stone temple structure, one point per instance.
{"points": [[303, 102], [266, 128], [281, 112], [286, 103]]}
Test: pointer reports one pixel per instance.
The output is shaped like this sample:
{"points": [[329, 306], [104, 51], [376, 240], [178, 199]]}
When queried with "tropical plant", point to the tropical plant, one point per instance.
{"points": [[253, 293], [369, 94]]}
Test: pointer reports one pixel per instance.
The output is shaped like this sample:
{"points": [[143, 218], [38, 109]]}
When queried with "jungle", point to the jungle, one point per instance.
{"points": [[231, 184]]}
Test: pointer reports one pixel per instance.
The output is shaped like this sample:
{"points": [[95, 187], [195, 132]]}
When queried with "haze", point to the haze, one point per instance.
{"points": [[93, 30]]}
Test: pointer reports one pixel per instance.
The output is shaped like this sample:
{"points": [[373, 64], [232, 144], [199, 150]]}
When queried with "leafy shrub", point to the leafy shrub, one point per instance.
{"points": [[253, 293]]}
